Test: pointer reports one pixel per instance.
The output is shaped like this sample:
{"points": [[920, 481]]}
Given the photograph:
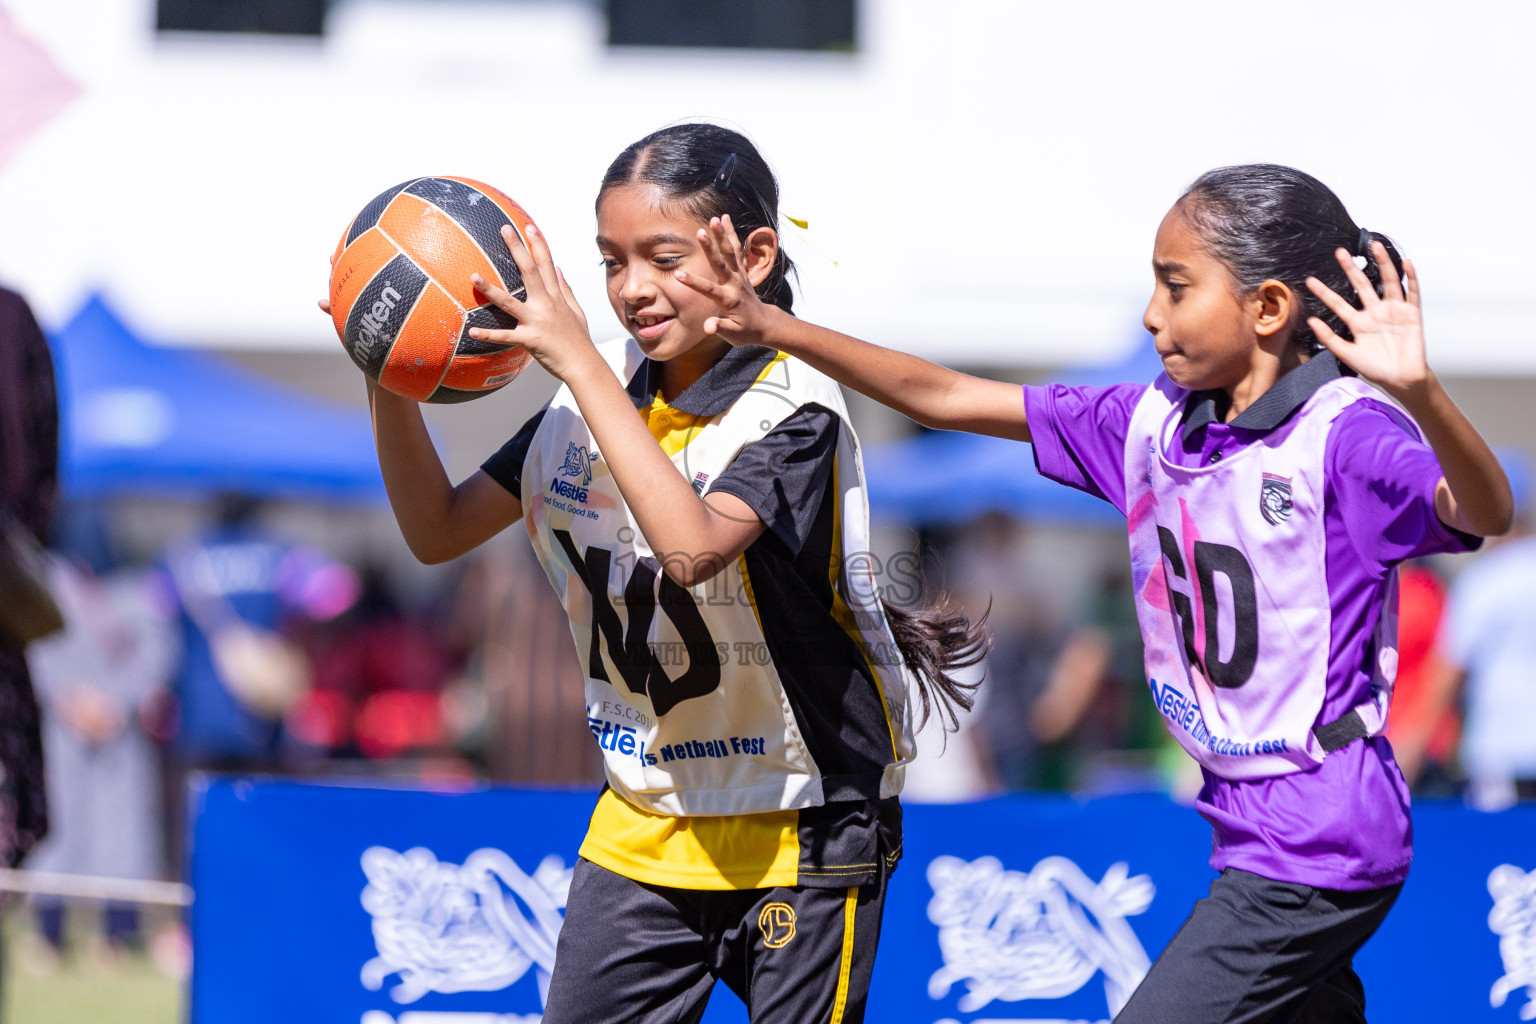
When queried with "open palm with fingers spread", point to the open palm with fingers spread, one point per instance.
{"points": [[550, 322], [743, 315], [1388, 345]]}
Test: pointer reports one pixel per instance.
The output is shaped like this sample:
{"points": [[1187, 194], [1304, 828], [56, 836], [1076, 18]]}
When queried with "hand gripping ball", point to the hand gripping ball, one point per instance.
{"points": [[400, 292]]}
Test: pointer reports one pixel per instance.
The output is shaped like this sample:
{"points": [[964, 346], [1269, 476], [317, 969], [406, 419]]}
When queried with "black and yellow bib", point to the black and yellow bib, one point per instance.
{"points": [[685, 692]]}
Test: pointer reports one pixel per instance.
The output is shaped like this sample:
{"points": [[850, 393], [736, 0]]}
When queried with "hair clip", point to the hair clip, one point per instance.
{"points": [[725, 173], [1363, 250]]}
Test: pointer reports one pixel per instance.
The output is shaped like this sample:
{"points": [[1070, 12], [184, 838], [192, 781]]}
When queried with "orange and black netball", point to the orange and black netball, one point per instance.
{"points": [[400, 292]]}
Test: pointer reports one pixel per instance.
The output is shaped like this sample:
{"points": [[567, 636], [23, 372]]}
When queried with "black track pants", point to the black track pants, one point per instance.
{"points": [[632, 952], [1257, 950]]}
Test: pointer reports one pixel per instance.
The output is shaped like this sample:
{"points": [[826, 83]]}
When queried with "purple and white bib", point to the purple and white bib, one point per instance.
{"points": [[1228, 566]]}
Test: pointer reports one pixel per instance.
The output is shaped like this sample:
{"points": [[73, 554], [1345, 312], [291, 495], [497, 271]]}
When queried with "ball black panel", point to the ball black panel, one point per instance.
{"points": [[381, 308], [474, 211], [489, 317], [452, 396], [373, 211]]}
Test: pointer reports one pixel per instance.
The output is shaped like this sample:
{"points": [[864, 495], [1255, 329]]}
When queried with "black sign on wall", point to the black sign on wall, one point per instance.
{"points": [[280, 17], [748, 24]]}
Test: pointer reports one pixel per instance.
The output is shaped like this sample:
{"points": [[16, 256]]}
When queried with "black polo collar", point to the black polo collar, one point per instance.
{"points": [[1273, 407], [712, 393]]}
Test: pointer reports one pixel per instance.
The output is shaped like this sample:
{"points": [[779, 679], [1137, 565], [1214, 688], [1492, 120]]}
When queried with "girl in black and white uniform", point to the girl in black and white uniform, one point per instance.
{"points": [[701, 512]]}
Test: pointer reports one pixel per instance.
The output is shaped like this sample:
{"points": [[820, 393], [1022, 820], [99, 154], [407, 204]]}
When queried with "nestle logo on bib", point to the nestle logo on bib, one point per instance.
{"points": [[1275, 499], [578, 462], [578, 465], [568, 490]]}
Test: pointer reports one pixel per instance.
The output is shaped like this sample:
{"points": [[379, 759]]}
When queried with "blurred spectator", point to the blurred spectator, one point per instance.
{"points": [[29, 454], [988, 574], [237, 588], [1488, 642], [1064, 702], [519, 646], [99, 682], [1424, 726], [1042, 673], [1117, 735], [378, 681], [952, 767]]}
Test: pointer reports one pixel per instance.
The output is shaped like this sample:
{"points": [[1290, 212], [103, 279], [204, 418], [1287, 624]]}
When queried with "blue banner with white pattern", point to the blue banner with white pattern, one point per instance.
{"points": [[333, 904]]}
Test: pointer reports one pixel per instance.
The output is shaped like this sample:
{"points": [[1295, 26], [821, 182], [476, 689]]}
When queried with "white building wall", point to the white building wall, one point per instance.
{"points": [[988, 175]]}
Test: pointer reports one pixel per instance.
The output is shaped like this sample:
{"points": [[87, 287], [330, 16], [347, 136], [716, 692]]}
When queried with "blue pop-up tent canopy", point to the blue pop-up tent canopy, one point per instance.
{"points": [[137, 419], [939, 477]]}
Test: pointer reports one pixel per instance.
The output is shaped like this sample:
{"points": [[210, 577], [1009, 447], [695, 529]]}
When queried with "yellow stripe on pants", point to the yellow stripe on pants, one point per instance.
{"points": [[841, 1003]]}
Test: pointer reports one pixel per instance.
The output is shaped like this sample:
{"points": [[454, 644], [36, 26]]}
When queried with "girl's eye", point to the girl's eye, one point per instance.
{"points": [[608, 263], [1174, 288], [667, 261]]}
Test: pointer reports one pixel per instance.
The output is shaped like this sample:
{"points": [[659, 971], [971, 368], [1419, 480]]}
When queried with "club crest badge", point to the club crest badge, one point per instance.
{"points": [[1275, 499], [777, 923]]}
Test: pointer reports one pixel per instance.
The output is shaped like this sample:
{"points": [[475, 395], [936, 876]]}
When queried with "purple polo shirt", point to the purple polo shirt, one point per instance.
{"points": [[1344, 824]]}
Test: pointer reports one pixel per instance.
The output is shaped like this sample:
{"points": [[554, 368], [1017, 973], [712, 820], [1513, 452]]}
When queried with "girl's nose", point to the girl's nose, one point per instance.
{"points": [[636, 287], [1152, 317]]}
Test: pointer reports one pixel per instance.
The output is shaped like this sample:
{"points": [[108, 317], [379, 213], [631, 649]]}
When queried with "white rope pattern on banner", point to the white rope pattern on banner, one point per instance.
{"points": [[95, 887], [1513, 920], [1015, 935], [446, 928]]}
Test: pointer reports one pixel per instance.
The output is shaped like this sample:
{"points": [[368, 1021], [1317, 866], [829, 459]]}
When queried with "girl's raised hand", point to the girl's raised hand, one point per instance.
{"points": [[550, 323], [1388, 345], [743, 315]]}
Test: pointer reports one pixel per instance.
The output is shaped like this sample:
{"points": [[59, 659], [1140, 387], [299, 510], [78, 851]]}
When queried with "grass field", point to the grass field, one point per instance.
{"points": [[85, 986]]}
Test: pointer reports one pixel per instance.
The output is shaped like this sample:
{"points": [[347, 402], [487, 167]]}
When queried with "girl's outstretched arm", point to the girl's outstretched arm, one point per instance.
{"points": [[438, 520], [1388, 350], [693, 538], [933, 395]]}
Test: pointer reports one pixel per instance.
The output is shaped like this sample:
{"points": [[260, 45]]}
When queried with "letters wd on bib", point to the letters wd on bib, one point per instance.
{"points": [[334, 904]]}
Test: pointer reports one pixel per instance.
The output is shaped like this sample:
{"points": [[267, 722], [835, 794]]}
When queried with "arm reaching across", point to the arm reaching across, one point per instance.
{"points": [[933, 395], [1388, 350]]}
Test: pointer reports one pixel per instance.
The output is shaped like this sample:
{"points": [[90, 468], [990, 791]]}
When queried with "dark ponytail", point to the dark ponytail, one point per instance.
{"points": [[1270, 222], [710, 171], [935, 641]]}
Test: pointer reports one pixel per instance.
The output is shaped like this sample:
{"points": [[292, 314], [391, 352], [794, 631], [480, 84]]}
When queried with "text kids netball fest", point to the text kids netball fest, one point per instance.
{"points": [[787, 513]]}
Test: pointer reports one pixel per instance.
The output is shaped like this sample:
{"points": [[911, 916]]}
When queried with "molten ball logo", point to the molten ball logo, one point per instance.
{"points": [[777, 922]]}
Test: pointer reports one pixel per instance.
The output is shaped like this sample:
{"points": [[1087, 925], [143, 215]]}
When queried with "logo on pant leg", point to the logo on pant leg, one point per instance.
{"points": [[777, 923]]}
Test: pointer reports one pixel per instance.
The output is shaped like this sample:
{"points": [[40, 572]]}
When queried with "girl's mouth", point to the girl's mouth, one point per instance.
{"points": [[649, 328]]}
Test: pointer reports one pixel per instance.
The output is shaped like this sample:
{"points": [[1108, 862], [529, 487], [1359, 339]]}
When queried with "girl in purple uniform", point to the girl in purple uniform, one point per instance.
{"points": [[1270, 495]]}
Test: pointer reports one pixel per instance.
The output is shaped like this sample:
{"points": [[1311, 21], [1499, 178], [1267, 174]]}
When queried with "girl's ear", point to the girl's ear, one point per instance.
{"points": [[1274, 305], [758, 254]]}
